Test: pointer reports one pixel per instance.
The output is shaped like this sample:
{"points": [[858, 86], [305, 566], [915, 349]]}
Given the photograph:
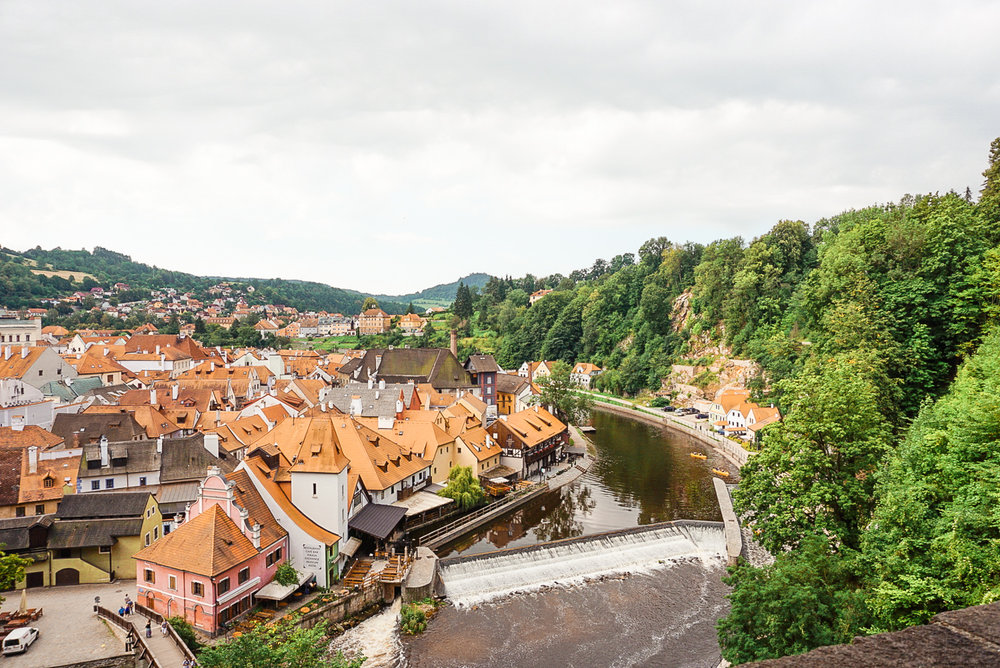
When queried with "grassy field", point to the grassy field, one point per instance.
{"points": [[334, 343], [77, 275]]}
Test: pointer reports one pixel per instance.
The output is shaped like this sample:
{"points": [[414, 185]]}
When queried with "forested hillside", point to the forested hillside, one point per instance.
{"points": [[875, 330], [439, 294], [19, 287]]}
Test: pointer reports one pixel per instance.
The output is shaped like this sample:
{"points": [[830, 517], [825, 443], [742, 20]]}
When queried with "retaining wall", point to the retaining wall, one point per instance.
{"points": [[341, 609]]}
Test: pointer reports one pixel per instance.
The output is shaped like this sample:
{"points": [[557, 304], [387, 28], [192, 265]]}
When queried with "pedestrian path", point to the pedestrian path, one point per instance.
{"points": [[164, 649]]}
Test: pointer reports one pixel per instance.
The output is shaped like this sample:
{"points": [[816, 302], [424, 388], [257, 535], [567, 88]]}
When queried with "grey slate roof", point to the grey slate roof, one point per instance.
{"points": [[436, 366], [509, 384], [14, 531], [377, 520], [482, 364], [182, 459], [70, 391], [87, 427], [91, 533], [94, 505], [371, 406]]}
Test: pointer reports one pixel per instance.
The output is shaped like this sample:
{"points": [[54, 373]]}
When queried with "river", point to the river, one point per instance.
{"points": [[642, 474]]}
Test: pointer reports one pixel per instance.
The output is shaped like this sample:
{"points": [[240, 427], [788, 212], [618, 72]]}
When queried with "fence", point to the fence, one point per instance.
{"points": [[134, 641], [473, 519], [171, 631]]}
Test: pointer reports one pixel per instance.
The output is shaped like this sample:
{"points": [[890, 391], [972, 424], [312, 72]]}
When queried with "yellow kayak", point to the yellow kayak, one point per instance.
{"points": [[699, 455], [721, 472]]}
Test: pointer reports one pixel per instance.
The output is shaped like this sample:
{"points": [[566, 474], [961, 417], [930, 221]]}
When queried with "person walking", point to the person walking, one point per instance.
{"points": [[163, 628], [149, 629]]}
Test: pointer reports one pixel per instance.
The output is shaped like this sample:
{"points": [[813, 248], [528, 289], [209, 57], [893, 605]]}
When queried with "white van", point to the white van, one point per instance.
{"points": [[19, 640]]}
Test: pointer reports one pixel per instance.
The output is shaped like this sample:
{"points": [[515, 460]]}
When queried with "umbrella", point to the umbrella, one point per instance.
{"points": [[24, 601]]}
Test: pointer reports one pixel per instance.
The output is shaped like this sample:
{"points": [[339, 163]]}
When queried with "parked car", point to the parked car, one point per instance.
{"points": [[701, 416], [669, 409], [19, 640]]}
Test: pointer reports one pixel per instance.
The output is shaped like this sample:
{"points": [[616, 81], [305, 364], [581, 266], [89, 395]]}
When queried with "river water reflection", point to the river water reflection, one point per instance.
{"points": [[642, 474]]}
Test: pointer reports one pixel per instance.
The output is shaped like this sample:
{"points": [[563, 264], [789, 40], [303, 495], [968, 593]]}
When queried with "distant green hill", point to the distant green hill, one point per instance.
{"points": [[20, 286], [439, 295]]}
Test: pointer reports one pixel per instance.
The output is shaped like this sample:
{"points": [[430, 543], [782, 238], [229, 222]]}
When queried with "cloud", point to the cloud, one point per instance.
{"points": [[386, 146]]}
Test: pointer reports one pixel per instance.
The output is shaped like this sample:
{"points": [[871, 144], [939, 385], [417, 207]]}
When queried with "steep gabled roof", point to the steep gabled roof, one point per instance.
{"points": [[208, 545], [101, 505]]}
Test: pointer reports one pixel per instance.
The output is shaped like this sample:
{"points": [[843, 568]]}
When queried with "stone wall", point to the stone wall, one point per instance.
{"points": [[119, 661], [342, 608]]}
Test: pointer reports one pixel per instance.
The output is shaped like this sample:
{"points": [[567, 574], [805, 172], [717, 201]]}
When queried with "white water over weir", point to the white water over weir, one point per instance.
{"points": [[483, 577]]}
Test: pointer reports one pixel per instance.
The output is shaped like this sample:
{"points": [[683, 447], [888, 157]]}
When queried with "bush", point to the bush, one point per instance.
{"points": [[186, 632], [659, 402], [412, 620], [286, 575]]}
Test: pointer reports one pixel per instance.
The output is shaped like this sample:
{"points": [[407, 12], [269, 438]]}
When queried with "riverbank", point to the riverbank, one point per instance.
{"points": [[733, 452]]}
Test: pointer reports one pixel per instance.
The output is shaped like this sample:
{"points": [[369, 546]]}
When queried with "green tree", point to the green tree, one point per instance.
{"points": [[409, 308], [934, 540], [816, 471], [989, 196], [462, 307], [559, 395], [807, 598], [369, 302], [283, 644], [186, 632], [463, 488], [11, 570]]}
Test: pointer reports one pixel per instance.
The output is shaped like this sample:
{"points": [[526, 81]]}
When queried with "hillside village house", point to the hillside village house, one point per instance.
{"points": [[535, 370], [538, 294], [513, 393], [583, 373], [208, 569], [374, 321], [33, 479], [483, 369], [35, 366], [24, 405]]}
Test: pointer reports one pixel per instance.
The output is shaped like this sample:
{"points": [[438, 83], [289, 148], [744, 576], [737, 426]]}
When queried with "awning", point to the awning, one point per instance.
{"points": [[575, 450], [500, 471], [275, 591], [498, 481], [377, 520], [351, 547], [421, 502]]}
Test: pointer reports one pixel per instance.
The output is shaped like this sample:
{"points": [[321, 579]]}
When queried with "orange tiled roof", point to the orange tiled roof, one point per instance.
{"points": [[208, 545], [30, 435]]}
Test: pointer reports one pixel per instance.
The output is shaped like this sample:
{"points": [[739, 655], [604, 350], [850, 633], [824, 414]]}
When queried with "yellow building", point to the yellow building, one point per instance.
{"points": [[92, 538]]}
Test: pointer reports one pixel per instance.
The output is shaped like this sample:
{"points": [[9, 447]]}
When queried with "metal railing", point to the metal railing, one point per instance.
{"points": [[485, 510]]}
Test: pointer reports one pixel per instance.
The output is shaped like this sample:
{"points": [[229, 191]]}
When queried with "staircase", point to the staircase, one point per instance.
{"points": [[358, 573]]}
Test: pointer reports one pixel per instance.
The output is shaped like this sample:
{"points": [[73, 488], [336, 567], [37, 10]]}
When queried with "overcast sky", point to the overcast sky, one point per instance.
{"points": [[388, 146]]}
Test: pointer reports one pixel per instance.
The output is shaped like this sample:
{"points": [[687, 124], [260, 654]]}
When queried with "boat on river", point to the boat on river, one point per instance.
{"points": [[699, 455], [721, 472]]}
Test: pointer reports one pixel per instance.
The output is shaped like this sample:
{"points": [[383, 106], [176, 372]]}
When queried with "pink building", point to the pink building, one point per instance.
{"points": [[208, 569]]}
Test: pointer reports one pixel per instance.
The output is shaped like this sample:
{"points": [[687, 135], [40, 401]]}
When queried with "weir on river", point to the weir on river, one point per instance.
{"points": [[483, 577]]}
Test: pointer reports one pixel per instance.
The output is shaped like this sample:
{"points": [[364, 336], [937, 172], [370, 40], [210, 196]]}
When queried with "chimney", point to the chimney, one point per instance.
{"points": [[211, 367], [157, 348], [17, 422], [381, 384], [105, 459], [218, 417], [105, 352], [163, 361], [174, 391], [355, 406], [24, 352], [33, 459], [211, 443], [371, 382], [399, 406], [454, 343], [152, 396], [255, 535]]}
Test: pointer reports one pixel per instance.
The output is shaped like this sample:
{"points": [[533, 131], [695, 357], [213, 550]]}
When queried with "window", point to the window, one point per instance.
{"points": [[223, 586], [314, 489], [19, 512], [273, 558], [149, 576], [95, 485], [172, 582], [146, 539], [156, 532], [39, 372], [244, 575], [48, 482], [109, 483], [142, 481], [40, 509], [104, 549], [197, 589]]}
